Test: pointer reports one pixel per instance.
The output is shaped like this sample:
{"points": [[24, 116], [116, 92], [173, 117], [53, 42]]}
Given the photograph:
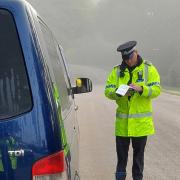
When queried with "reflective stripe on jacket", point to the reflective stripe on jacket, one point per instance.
{"points": [[134, 116]]}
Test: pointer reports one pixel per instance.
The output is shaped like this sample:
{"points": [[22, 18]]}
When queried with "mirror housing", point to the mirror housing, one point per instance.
{"points": [[83, 85]]}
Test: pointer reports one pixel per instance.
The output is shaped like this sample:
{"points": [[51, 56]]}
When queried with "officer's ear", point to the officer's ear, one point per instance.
{"points": [[136, 51]]}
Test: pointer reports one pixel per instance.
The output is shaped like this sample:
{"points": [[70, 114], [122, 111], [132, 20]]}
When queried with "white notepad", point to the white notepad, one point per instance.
{"points": [[123, 89]]}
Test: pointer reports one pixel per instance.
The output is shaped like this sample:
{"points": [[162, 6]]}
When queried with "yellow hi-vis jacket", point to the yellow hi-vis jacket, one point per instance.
{"points": [[134, 116]]}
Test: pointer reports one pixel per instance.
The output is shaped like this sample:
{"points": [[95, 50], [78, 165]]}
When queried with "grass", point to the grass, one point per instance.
{"points": [[171, 90]]}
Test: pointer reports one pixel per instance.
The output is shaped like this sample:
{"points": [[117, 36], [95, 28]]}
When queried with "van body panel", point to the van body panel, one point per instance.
{"points": [[49, 124], [68, 113], [28, 137]]}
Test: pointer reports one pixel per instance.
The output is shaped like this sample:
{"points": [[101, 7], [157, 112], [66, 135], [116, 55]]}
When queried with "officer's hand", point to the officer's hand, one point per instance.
{"points": [[137, 88], [128, 94]]}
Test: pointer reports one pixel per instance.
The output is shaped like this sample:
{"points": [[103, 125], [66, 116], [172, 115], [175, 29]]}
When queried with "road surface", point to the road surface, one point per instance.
{"points": [[97, 143]]}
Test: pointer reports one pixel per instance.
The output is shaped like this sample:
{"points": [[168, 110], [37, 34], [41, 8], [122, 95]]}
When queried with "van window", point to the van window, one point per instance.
{"points": [[54, 63], [64, 66], [15, 95]]}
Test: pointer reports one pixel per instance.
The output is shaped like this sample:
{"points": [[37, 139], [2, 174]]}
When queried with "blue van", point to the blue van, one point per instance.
{"points": [[38, 126]]}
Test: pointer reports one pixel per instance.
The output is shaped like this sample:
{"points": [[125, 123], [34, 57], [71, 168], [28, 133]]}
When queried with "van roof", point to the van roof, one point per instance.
{"points": [[13, 1], [14, 4]]}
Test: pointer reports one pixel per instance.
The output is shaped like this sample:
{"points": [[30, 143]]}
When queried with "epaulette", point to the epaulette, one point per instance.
{"points": [[118, 65], [147, 62]]}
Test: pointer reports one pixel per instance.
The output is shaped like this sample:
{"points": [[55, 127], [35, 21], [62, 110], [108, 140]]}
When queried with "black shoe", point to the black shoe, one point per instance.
{"points": [[120, 175]]}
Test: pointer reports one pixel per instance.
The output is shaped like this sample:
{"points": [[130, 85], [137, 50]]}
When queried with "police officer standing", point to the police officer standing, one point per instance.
{"points": [[134, 112]]}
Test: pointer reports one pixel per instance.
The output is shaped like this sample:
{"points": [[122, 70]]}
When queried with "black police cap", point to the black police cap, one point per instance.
{"points": [[126, 49]]}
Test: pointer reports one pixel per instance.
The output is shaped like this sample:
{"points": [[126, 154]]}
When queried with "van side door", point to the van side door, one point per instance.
{"points": [[65, 99]]}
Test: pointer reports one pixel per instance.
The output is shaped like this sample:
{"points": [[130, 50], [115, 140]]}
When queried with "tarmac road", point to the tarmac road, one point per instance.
{"points": [[97, 143]]}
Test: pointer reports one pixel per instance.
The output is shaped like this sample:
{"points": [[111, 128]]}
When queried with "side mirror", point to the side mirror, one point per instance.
{"points": [[83, 85]]}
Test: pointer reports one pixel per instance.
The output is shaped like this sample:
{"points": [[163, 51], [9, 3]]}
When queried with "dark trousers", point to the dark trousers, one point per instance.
{"points": [[122, 148]]}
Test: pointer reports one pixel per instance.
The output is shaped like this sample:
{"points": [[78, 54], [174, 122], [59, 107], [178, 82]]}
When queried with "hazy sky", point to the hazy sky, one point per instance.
{"points": [[91, 30], [96, 1]]}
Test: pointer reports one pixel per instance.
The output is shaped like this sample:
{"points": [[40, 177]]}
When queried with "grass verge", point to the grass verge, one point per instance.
{"points": [[170, 90]]}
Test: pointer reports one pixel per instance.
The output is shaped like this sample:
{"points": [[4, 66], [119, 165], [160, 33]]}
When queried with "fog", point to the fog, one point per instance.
{"points": [[91, 30]]}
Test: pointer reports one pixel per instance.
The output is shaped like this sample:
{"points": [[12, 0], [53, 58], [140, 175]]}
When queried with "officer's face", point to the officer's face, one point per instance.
{"points": [[132, 61]]}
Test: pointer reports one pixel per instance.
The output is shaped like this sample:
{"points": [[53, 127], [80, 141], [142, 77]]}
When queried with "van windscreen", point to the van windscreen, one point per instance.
{"points": [[15, 95]]}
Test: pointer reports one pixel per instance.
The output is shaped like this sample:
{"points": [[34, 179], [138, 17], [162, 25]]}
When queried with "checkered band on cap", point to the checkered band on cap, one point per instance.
{"points": [[128, 52]]}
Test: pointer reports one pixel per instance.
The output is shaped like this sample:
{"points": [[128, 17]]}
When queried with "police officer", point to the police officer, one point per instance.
{"points": [[134, 112]]}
